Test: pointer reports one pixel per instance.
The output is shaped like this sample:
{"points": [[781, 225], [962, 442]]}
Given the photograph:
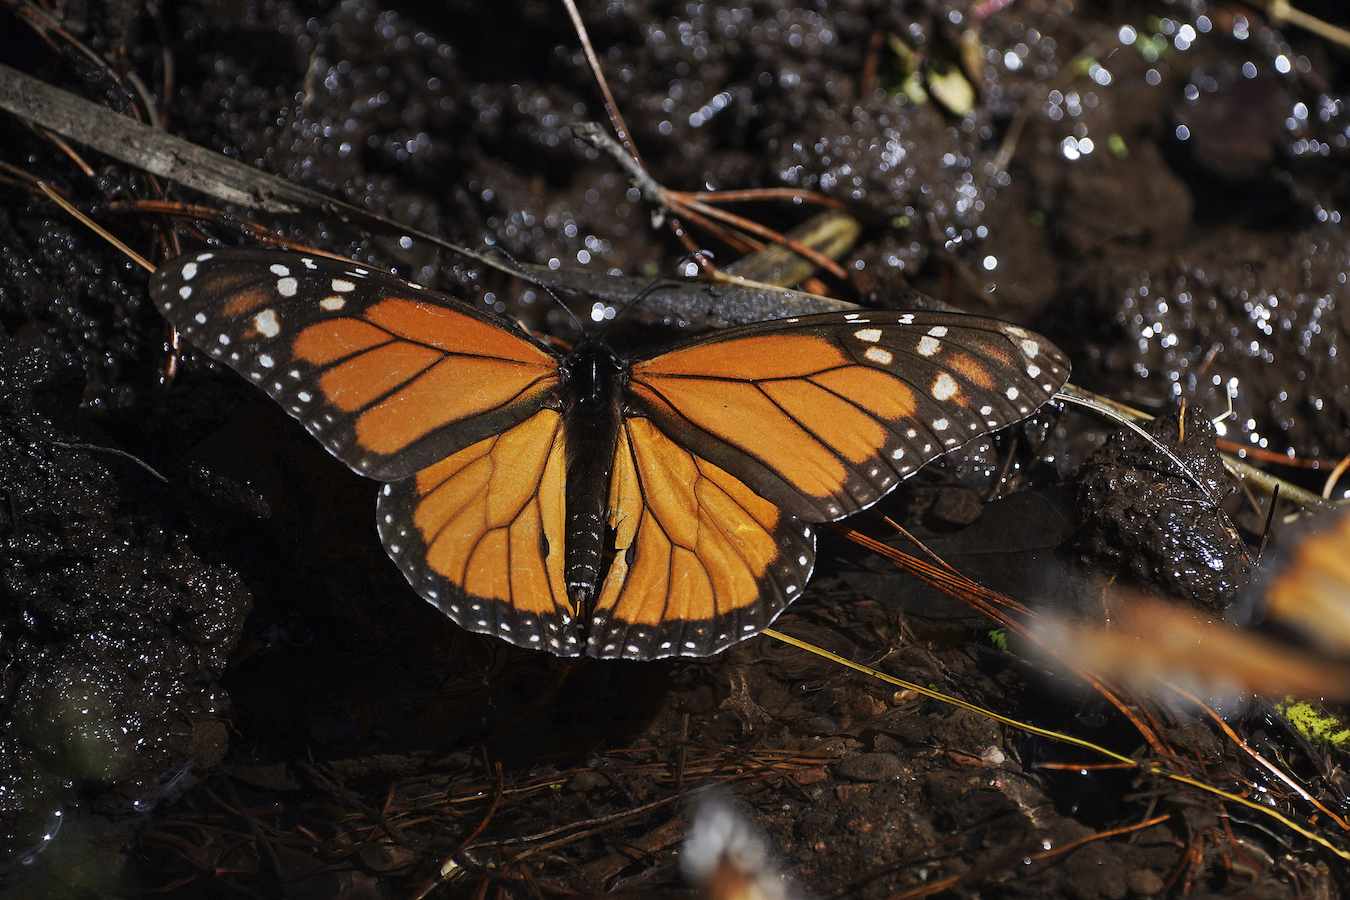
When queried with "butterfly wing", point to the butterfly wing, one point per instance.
{"points": [[700, 560], [824, 415], [416, 389], [391, 378], [735, 442], [481, 534]]}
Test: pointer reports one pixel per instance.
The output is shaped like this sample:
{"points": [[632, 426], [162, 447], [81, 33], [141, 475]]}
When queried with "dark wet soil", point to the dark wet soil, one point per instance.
{"points": [[216, 684]]}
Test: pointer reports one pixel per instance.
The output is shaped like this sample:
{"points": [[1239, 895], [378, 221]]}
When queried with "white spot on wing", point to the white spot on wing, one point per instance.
{"points": [[343, 286], [185, 292], [871, 335], [938, 331], [1011, 393], [286, 287], [1030, 348], [332, 304], [928, 346], [267, 324], [944, 388], [189, 271], [879, 356], [279, 270], [940, 424], [266, 361]]}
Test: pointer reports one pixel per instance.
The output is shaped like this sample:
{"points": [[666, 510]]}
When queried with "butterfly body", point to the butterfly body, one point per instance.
{"points": [[587, 504], [593, 379]]}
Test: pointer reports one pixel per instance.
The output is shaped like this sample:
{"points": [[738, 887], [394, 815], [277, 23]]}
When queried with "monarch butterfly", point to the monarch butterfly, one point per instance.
{"points": [[513, 473]]}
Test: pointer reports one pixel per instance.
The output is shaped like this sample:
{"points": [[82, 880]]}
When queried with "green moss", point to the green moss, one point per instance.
{"points": [[1314, 722]]}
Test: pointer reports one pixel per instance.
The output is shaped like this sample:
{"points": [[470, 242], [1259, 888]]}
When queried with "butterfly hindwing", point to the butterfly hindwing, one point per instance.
{"points": [[826, 414], [389, 377], [700, 560], [480, 534]]}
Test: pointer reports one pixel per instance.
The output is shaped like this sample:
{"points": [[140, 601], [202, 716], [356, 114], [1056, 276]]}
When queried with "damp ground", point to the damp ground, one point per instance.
{"points": [[219, 685]]}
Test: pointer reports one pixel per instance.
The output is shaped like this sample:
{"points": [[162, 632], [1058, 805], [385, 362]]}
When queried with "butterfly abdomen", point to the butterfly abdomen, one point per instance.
{"points": [[593, 379]]}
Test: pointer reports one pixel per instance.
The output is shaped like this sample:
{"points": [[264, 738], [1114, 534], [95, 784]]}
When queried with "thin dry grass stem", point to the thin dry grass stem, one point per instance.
{"points": [[693, 205], [1334, 477], [1280, 11], [997, 607], [696, 206], [1260, 760], [44, 25], [1268, 456], [68, 150], [943, 884], [446, 863], [611, 107], [93, 226], [701, 211]]}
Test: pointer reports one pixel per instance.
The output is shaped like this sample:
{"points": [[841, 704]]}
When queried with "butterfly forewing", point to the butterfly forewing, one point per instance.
{"points": [[391, 378], [825, 414]]}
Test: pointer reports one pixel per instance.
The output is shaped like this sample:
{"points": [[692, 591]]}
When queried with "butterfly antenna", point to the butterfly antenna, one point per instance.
{"points": [[699, 257], [520, 269]]}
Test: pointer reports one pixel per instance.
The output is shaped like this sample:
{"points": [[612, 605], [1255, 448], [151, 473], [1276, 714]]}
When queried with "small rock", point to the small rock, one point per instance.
{"points": [[1145, 882], [587, 781], [871, 767]]}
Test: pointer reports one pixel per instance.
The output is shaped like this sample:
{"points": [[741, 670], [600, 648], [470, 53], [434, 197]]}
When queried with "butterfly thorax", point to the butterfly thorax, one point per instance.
{"points": [[593, 379]]}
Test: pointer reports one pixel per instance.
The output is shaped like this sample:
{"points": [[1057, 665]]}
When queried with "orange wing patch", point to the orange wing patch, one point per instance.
{"points": [[754, 359], [389, 376], [450, 332], [337, 339], [449, 392], [481, 535], [744, 415], [361, 380], [701, 561]]}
